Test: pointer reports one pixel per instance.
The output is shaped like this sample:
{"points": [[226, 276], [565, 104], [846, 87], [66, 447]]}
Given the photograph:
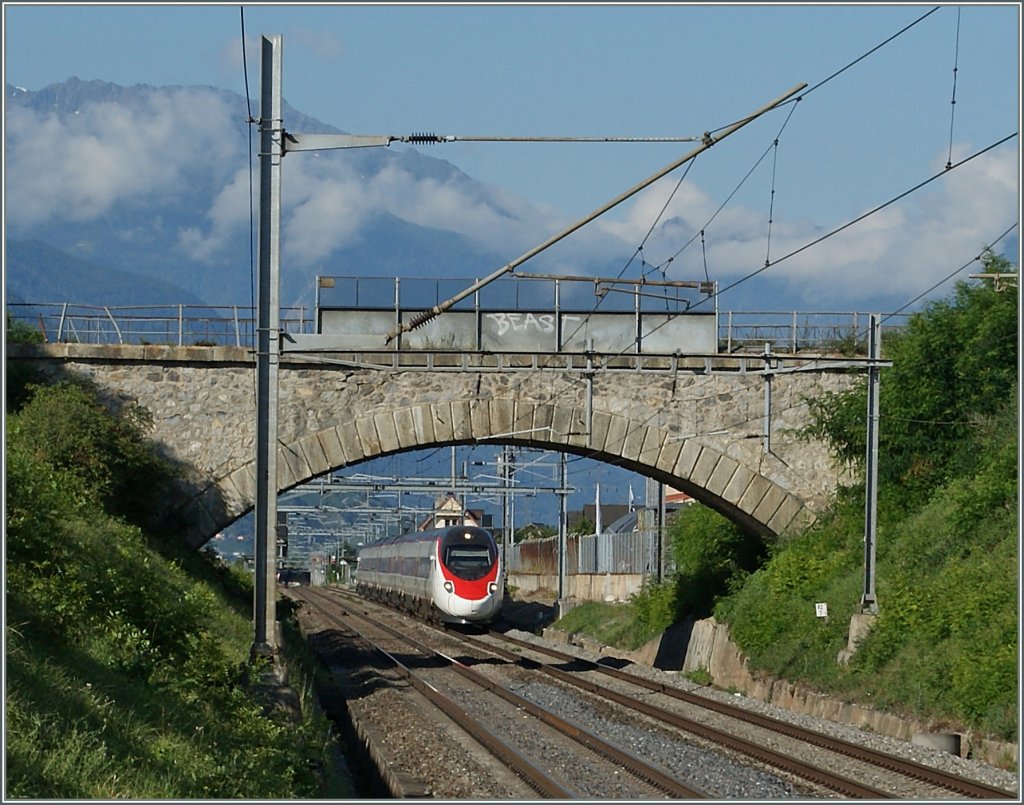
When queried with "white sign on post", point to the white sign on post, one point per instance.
{"points": [[821, 610]]}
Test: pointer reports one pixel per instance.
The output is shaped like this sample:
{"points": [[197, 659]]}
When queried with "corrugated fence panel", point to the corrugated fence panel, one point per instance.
{"points": [[632, 552]]}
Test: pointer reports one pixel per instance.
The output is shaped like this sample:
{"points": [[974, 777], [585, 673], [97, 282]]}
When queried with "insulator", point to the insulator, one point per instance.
{"points": [[424, 137]]}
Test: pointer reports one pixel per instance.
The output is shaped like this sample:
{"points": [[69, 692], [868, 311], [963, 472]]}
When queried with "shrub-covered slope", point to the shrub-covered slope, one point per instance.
{"points": [[944, 645], [127, 671]]}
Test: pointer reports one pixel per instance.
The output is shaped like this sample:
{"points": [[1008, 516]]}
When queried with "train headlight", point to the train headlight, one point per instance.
{"points": [[492, 587], [449, 587]]}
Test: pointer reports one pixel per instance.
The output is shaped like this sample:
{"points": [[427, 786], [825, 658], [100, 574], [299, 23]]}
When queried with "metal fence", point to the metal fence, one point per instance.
{"points": [[630, 552], [793, 332], [234, 325], [176, 325]]}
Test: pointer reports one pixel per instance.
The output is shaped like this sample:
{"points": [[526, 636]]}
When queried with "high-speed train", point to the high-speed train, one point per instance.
{"points": [[451, 575]]}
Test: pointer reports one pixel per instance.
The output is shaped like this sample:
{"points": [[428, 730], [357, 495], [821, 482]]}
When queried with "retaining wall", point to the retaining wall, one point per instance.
{"points": [[705, 644]]}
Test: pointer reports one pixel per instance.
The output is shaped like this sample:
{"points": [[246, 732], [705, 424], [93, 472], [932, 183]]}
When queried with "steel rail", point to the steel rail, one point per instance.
{"points": [[653, 775], [823, 777], [909, 768], [536, 778]]}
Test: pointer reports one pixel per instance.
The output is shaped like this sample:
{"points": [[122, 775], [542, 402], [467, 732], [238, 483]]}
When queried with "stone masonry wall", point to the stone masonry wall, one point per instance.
{"points": [[698, 432]]}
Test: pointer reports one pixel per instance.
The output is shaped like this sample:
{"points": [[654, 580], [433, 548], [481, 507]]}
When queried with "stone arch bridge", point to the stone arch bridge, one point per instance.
{"points": [[696, 424]]}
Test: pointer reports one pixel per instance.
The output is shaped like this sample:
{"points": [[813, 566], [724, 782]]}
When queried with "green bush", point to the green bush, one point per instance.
{"points": [[955, 365], [654, 608], [65, 426], [944, 645], [713, 557]]}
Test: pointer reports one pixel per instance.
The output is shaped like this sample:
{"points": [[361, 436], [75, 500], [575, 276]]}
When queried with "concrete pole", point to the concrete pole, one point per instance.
{"points": [[767, 400], [563, 533], [267, 353], [868, 602]]}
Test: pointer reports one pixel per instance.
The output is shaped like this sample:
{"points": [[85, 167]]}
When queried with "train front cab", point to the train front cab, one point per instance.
{"points": [[469, 585]]}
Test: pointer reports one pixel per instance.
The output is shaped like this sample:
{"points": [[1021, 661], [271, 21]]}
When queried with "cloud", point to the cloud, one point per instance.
{"points": [[910, 245], [898, 251], [228, 214], [322, 44], [78, 168], [326, 203], [324, 214]]}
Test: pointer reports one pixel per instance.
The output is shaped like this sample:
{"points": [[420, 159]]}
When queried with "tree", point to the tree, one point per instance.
{"points": [[535, 531], [952, 367], [583, 527], [18, 332], [713, 556]]}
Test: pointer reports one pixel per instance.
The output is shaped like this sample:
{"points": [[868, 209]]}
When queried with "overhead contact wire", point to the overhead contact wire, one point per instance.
{"points": [[859, 59], [252, 206], [952, 110], [845, 226], [794, 103], [859, 218]]}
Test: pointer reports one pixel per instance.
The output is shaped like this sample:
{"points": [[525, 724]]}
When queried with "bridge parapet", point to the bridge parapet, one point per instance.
{"points": [[300, 353]]}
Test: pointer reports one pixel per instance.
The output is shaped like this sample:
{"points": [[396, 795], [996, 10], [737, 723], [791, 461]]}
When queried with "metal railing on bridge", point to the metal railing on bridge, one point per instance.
{"points": [[793, 332], [174, 325], [391, 300]]}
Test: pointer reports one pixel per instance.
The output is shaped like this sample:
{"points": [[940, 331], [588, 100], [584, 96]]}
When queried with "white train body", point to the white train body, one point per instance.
{"points": [[451, 574]]}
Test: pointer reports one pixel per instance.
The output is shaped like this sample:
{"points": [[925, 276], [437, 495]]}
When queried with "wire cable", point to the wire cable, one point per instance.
{"points": [[860, 58], [771, 202], [952, 111], [845, 226], [858, 219], [735, 190], [658, 217], [879, 46], [252, 203], [977, 258], [819, 240]]}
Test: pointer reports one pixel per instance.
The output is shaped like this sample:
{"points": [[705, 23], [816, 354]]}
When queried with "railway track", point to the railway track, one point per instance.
{"points": [[903, 778], [953, 783], [615, 763]]}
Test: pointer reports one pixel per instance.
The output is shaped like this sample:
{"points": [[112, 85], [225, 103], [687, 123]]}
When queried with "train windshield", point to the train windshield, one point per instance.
{"points": [[468, 562]]}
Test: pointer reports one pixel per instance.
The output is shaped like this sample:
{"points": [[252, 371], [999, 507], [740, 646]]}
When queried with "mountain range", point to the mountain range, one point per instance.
{"points": [[137, 245], [149, 195]]}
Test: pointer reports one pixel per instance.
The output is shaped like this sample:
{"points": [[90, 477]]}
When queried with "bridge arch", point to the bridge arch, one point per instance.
{"points": [[692, 465], [695, 430]]}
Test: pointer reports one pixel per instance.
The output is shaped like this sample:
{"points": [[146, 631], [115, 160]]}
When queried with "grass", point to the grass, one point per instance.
{"points": [[79, 729], [127, 654], [611, 624]]}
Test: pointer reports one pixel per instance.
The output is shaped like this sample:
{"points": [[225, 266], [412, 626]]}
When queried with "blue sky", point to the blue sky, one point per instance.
{"points": [[859, 140], [587, 70]]}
